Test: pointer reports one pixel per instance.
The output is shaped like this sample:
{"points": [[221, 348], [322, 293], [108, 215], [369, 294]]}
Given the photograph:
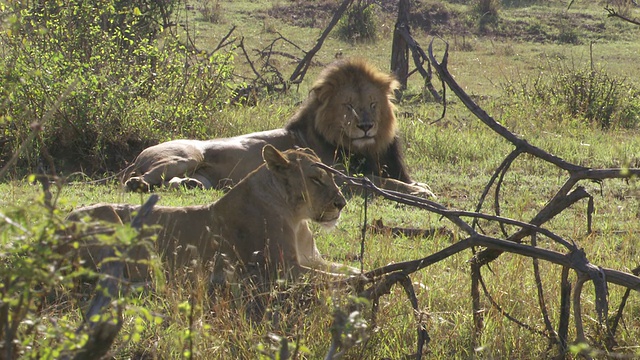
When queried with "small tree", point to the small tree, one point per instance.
{"points": [[359, 23]]}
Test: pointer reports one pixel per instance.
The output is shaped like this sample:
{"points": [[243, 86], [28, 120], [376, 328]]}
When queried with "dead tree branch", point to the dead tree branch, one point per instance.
{"points": [[301, 70], [419, 59], [384, 286], [223, 42], [541, 298], [574, 258], [566, 196], [576, 172]]}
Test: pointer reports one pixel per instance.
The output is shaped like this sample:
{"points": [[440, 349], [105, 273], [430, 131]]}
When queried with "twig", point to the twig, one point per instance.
{"points": [[576, 172], [505, 313], [541, 300], [610, 341], [365, 196], [441, 69], [384, 287], [613, 13], [577, 310], [419, 58], [565, 311], [453, 215], [506, 163], [476, 305], [246, 55], [222, 42]]}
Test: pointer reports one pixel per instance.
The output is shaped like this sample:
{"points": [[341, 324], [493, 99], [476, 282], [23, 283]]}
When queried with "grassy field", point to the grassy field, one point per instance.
{"points": [[499, 67]]}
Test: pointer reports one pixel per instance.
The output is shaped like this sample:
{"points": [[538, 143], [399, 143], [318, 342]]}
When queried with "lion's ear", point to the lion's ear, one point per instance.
{"points": [[322, 91], [274, 159]]}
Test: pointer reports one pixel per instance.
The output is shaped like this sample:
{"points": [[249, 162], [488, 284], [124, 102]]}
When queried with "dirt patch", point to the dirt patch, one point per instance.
{"points": [[314, 14], [438, 19]]}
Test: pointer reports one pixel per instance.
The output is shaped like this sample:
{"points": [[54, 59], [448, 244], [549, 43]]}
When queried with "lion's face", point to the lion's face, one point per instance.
{"points": [[355, 110], [311, 189]]}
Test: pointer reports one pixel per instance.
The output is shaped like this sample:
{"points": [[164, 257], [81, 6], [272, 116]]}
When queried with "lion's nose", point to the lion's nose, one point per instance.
{"points": [[365, 126], [340, 202]]}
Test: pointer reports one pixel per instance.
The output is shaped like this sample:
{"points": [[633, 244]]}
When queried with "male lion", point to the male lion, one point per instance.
{"points": [[348, 120], [267, 213]]}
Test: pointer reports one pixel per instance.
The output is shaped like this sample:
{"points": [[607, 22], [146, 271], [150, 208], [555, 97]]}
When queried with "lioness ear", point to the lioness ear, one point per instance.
{"points": [[274, 159]]}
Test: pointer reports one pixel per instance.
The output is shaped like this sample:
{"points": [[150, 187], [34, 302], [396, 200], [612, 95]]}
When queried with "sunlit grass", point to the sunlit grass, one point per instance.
{"points": [[456, 156]]}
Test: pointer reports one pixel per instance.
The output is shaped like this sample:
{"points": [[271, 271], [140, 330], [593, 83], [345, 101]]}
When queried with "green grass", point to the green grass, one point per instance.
{"points": [[456, 157]]}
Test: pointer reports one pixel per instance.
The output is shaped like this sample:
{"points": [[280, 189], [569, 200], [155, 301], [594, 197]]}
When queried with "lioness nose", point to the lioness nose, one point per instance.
{"points": [[340, 202]]}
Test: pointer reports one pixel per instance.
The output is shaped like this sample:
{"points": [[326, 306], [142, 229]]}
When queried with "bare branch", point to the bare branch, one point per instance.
{"points": [[613, 13], [300, 71], [223, 42], [541, 299], [384, 287], [443, 73], [565, 310]]}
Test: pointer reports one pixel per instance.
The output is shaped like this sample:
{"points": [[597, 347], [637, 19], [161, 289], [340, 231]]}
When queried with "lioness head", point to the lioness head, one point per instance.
{"points": [[310, 189], [355, 109]]}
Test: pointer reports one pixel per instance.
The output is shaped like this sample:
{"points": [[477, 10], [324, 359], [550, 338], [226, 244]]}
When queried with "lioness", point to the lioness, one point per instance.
{"points": [[348, 120], [266, 212]]}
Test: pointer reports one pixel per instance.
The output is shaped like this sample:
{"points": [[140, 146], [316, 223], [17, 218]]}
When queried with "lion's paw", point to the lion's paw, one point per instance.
{"points": [[136, 184], [422, 190], [190, 183], [184, 183]]}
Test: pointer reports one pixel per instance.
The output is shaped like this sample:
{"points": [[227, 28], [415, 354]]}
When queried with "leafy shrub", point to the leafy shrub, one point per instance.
{"points": [[104, 88], [42, 285], [591, 95], [359, 23], [488, 8], [487, 12], [210, 10], [568, 34]]}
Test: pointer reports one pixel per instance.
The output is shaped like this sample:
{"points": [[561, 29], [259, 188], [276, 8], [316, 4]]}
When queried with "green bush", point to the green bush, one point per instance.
{"points": [[105, 79], [211, 10], [43, 285], [590, 95], [568, 34], [486, 11], [358, 24]]}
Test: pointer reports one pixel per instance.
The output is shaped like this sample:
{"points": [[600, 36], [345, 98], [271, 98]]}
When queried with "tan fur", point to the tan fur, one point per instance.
{"points": [[348, 120], [266, 213]]}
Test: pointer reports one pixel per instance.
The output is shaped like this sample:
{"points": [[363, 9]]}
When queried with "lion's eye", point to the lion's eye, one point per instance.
{"points": [[349, 107], [373, 105]]}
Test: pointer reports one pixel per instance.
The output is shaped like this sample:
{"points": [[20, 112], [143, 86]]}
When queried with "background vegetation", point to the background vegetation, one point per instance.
{"points": [[84, 86]]}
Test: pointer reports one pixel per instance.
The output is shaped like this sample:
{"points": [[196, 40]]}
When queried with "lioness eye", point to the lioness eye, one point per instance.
{"points": [[373, 105], [316, 180]]}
